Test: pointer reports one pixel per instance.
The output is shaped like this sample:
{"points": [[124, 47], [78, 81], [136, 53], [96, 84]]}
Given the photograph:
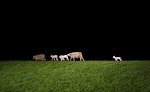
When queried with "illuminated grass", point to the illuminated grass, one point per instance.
{"points": [[75, 76]]}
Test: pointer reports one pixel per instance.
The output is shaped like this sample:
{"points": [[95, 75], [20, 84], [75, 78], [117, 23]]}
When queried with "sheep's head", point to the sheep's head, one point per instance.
{"points": [[68, 54]]}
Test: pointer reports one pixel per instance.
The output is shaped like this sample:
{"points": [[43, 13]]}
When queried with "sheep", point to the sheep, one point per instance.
{"points": [[117, 58], [63, 57], [39, 57], [74, 55], [54, 57]]}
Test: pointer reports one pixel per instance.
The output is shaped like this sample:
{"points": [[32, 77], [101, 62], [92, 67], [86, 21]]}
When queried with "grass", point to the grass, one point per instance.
{"points": [[74, 76]]}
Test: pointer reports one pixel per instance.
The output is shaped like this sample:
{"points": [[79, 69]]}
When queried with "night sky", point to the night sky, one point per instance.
{"points": [[95, 42], [92, 52], [97, 34]]}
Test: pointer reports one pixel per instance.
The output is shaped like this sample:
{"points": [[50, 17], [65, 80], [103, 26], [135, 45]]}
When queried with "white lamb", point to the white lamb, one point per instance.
{"points": [[54, 57], [117, 58], [64, 57]]}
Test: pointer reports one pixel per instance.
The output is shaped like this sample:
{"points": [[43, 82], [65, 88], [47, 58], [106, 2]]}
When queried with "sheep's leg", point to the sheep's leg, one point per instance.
{"points": [[70, 58], [67, 59], [121, 59]]}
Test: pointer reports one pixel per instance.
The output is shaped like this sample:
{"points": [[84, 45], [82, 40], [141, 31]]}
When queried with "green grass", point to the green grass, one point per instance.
{"points": [[74, 76]]}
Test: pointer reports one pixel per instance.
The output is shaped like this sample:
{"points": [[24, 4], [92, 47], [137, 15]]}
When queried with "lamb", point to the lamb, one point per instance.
{"points": [[64, 57], [117, 58], [54, 57]]}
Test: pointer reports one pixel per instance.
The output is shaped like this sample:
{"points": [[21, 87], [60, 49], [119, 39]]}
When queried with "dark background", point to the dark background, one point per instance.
{"points": [[90, 53], [98, 32]]}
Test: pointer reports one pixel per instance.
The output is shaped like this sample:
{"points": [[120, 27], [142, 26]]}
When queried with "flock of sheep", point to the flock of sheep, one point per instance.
{"points": [[72, 55]]}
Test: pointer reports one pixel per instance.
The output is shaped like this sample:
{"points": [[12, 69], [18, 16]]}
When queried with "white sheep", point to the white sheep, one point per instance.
{"points": [[54, 57], [64, 57], [117, 58]]}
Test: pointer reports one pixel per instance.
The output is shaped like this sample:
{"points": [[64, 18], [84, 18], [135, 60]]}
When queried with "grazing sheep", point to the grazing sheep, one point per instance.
{"points": [[54, 57], [117, 58], [39, 57], [74, 55], [63, 57]]}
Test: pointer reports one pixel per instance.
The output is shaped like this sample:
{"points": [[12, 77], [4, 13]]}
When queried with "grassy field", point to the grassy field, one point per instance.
{"points": [[74, 76]]}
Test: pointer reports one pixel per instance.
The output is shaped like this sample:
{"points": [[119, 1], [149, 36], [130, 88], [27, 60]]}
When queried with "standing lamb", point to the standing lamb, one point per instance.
{"points": [[117, 58], [54, 57], [64, 57], [74, 55]]}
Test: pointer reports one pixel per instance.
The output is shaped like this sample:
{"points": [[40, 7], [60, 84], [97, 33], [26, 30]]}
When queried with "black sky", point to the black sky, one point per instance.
{"points": [[98, 33], [97, 52], [96, 41]]}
